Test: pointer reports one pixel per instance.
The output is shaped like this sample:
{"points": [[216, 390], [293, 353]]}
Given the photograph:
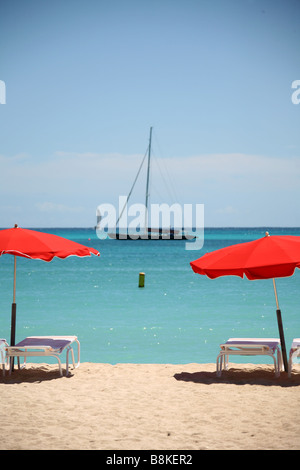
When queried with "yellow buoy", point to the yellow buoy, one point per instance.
{"points": [[141, 279]]}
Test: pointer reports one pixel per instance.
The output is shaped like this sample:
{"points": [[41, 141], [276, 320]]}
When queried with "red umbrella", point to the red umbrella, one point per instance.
{"points": [[266, 258], [37, 245]]}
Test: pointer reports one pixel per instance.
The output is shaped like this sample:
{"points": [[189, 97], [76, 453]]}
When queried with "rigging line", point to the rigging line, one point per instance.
{"points": [[167, 179], [127, 199]]}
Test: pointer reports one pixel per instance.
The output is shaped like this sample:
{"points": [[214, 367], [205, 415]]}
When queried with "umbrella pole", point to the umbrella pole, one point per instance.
{"points": [[13, 309], [13, 314], [13, 324], [280, 328]]}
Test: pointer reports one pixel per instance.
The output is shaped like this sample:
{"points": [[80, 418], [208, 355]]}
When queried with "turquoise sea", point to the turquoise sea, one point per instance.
{"points": [[178, 317]]}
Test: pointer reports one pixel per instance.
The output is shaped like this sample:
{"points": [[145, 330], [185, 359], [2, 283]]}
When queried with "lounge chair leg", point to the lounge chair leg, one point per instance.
{"points": [[67, 361], [11, 361], [78, 354], [59, 365], [73, 359], [219, 365], [277, 369], [293, 354], [290, 367], [290, 364]]}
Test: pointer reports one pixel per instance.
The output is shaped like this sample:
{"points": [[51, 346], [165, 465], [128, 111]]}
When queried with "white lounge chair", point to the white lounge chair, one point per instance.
{"points": [[250, 347], [3, 356], [294, 352], [44, 346]]}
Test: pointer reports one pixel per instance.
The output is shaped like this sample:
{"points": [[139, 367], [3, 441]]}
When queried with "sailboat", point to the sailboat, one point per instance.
{"points": [[148, 233]]}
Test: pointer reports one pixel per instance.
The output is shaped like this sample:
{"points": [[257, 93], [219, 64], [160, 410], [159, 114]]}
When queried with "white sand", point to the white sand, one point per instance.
{"points": [[156, 406]]}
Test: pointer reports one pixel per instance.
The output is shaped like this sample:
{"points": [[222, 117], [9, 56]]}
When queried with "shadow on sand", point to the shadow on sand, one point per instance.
{"points": [[239, 376]]}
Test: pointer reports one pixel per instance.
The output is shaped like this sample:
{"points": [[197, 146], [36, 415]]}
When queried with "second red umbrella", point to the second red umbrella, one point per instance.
{"points": [[266, 258]]}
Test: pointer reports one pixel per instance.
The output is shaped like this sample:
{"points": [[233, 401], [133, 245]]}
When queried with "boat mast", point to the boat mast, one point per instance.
{"points": [[147, 185]]}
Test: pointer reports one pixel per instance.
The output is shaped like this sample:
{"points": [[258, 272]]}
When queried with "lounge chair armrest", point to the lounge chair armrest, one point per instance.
{"points": [[294, 350], [21, 348], [256, 346]]}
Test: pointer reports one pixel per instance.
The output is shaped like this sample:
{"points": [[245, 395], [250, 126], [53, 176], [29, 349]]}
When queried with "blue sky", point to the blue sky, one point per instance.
{"points": [[85, 80]]}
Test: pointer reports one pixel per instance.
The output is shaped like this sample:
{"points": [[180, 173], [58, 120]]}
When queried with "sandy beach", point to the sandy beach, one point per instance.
{"points": [[150, 406]]}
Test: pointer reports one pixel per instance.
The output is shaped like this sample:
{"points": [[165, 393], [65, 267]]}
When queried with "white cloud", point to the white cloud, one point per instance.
{"points": [[240, 171], [235, 188], [59, 208], [228, 210]]}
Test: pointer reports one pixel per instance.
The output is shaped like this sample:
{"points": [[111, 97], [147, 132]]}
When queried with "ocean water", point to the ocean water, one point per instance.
{"points": [[178, 317]]}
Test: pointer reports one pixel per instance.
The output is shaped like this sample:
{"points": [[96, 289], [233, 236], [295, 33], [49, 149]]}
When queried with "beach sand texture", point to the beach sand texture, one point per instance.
{"points": [[150, 407]]}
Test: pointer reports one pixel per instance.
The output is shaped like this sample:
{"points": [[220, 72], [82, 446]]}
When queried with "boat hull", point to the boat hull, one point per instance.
{"points": [[155, 235]]}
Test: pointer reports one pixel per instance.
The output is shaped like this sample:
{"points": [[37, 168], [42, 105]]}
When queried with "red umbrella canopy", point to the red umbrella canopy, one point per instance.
{"points": [[39, 245], [265, 258]]}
